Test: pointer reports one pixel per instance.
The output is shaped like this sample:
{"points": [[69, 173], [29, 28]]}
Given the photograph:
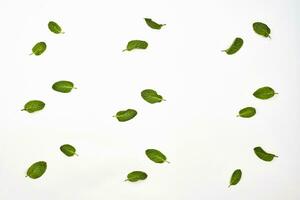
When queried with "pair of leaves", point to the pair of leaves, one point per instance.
{"points": [[263, 155], [235, 46], [152, 24], [261, 29], [68, 150], [37, 169], [63, 86], [235, 177], [264, 93], [55, 28], [33, 106]]}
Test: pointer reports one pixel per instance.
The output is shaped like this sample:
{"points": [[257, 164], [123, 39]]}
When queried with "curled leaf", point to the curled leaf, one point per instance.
{"points": [[136, 176], [68, 150], [156, 156], [264, 93], [152, 24], [39, 48], [264, 155], [37, 169], [125, 115], [33, 106], [136, 44], [235, 46], [235, 177], [247, 112], [54, 27], [261, 29], [151, 96], [63, 86]]}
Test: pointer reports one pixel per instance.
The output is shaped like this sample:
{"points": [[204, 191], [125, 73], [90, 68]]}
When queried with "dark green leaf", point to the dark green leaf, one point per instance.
{"points": [[153, 24], [54, 27], [136, 176], [151, 96], [263, 155], [136, 44], [156, 156], [37, 169], [68, 150], [261, 29], [264, 93], [235, 177], [125, 115], [63, 86], [247, 112], [235, 46], [33, 106], [39, 48]]}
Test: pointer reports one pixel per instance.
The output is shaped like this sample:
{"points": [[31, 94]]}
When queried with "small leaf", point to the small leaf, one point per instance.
{"points": [[55, 28], [125, 115], [261, 29], [247, 112], [235, 177], [136, 176], [39, 48], [153, 24], [263, 155], [68, 150], [63, 86], [156, 156], [37, 169], [151, 96], [33, 106], [136, 44], [264, 93], [235, 46]]}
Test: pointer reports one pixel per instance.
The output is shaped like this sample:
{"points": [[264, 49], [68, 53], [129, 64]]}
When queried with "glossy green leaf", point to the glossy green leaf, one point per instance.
{"points": [[37, 169], [235, 177], [152, 24], [235, 46], [264, 155], [156, 156], [136, 176], [55, 28], [33, 106], [264, 93], [247, 112], [39, 48], [151, 96], [261, 29], [136, 44], [68, 150], [63, 86], [125, 115]]}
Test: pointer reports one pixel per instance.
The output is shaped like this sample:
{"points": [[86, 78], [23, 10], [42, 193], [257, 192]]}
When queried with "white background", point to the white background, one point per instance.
{"points": [[196, 127]]}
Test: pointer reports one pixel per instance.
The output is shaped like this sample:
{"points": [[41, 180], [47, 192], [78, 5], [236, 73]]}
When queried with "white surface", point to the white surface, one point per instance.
{"points": [[196, 127]]}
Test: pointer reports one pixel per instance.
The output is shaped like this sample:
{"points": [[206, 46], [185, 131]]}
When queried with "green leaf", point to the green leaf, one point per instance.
{"points": [[247, 112], [33, 106], [235, 46], [37, 169], [263, 155], [68, 150], [125, 115], [136, 176], [63, 86], [151, 96], [264, 93], [235, 177], [39, 48], [156, 156], [261, 29], [152, 24], [55, 28], [136, 44]]}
